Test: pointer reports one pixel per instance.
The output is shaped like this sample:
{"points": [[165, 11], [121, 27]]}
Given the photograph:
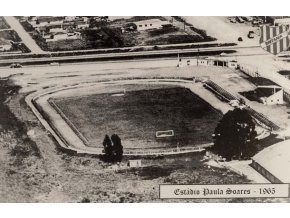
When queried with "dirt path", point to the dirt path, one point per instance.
{"points": [[220, 28]]}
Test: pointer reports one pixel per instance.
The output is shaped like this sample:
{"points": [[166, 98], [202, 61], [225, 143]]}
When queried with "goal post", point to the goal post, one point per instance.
{"points": [[118, 92], [165, 133]]}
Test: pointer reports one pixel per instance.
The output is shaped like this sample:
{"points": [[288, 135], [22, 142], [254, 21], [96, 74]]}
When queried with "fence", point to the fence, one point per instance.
{"points": [[250, 71], [198, 148], [225, 95]]}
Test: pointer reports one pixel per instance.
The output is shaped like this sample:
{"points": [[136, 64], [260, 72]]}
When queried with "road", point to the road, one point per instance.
{"points": [[241, 51], [25, 37]]}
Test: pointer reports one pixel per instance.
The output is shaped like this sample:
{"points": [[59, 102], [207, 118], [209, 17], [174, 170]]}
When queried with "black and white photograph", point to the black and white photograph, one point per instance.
{"points": [[144, 109]]}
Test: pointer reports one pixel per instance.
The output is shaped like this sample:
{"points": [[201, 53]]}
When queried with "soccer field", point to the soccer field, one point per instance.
{"points": [[137, 112]]}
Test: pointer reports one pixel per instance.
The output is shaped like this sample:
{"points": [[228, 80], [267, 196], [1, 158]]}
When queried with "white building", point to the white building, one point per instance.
{"points": [[62, 36], [5, 45], [82, 25], [57, 29], [70, 18], [274, 162], [150, 24], [271, 94], [208, 61]]}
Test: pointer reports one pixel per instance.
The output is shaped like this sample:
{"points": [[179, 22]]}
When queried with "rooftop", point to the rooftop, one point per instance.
{"points": [[276, 159], [150, 21]]}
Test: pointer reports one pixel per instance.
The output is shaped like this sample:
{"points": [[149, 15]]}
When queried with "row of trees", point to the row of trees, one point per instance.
{"points": [[113, 148]]}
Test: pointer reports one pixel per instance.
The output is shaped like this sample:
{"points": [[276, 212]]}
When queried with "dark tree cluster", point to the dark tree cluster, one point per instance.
{"points": [[235, 135], [113, 148]]}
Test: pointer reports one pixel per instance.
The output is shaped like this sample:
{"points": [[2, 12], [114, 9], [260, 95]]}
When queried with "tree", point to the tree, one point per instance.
{"points": [[108, 148], [130, 27], [235, 135], [113, 148], [117, 148]]}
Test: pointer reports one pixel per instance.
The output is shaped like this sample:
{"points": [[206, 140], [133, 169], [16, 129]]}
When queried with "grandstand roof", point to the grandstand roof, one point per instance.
{"points": [[276, 160]]}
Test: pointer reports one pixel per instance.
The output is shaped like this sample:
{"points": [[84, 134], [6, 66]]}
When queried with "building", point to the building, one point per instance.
{"points": [[268, 92], [82, 25], [5, 45], [270, 95], [208, 61], [62, 36], [150, 24], [274, 162], [70, 18]]}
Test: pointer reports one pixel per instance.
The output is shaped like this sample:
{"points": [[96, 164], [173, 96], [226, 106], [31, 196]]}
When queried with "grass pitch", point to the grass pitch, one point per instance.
{"points": [[139, 113]]}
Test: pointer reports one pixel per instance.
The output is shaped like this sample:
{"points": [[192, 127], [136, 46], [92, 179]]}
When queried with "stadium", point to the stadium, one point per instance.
{"points": [[150, 115], [154, 113]]}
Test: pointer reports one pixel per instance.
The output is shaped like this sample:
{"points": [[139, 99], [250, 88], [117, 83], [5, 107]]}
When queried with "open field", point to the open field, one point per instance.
{"points": [[137, 115]]}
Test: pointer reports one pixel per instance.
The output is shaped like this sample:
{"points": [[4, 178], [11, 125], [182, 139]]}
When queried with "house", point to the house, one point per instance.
{"points": [[61, 36], [56, 37], [270, 95], [82, 25], [70, 18], [56, 29], [274, 162], [232, 64], [45, 21], [150, 24], [5, 45]]}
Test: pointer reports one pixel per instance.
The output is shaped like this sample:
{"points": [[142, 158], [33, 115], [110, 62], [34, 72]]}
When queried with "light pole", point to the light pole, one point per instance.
{"points": [[197, 56]]}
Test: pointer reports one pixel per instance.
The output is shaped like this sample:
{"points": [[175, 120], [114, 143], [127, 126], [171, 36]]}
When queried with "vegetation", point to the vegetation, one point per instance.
{"points": [[3, 23], [235, 135], [113, 148], [10, 35], [11, 127]]}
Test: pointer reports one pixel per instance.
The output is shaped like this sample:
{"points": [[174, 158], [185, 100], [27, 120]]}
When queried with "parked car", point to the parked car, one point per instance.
{"points": [[250, 19], [251, 34], [255, 23], [54, 64], [240, 20], [240, 39], [233, 20], [17, 65]]}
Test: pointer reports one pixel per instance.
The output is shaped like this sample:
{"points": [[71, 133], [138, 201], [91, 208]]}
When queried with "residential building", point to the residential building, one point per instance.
{"points": [[150, 24]]}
